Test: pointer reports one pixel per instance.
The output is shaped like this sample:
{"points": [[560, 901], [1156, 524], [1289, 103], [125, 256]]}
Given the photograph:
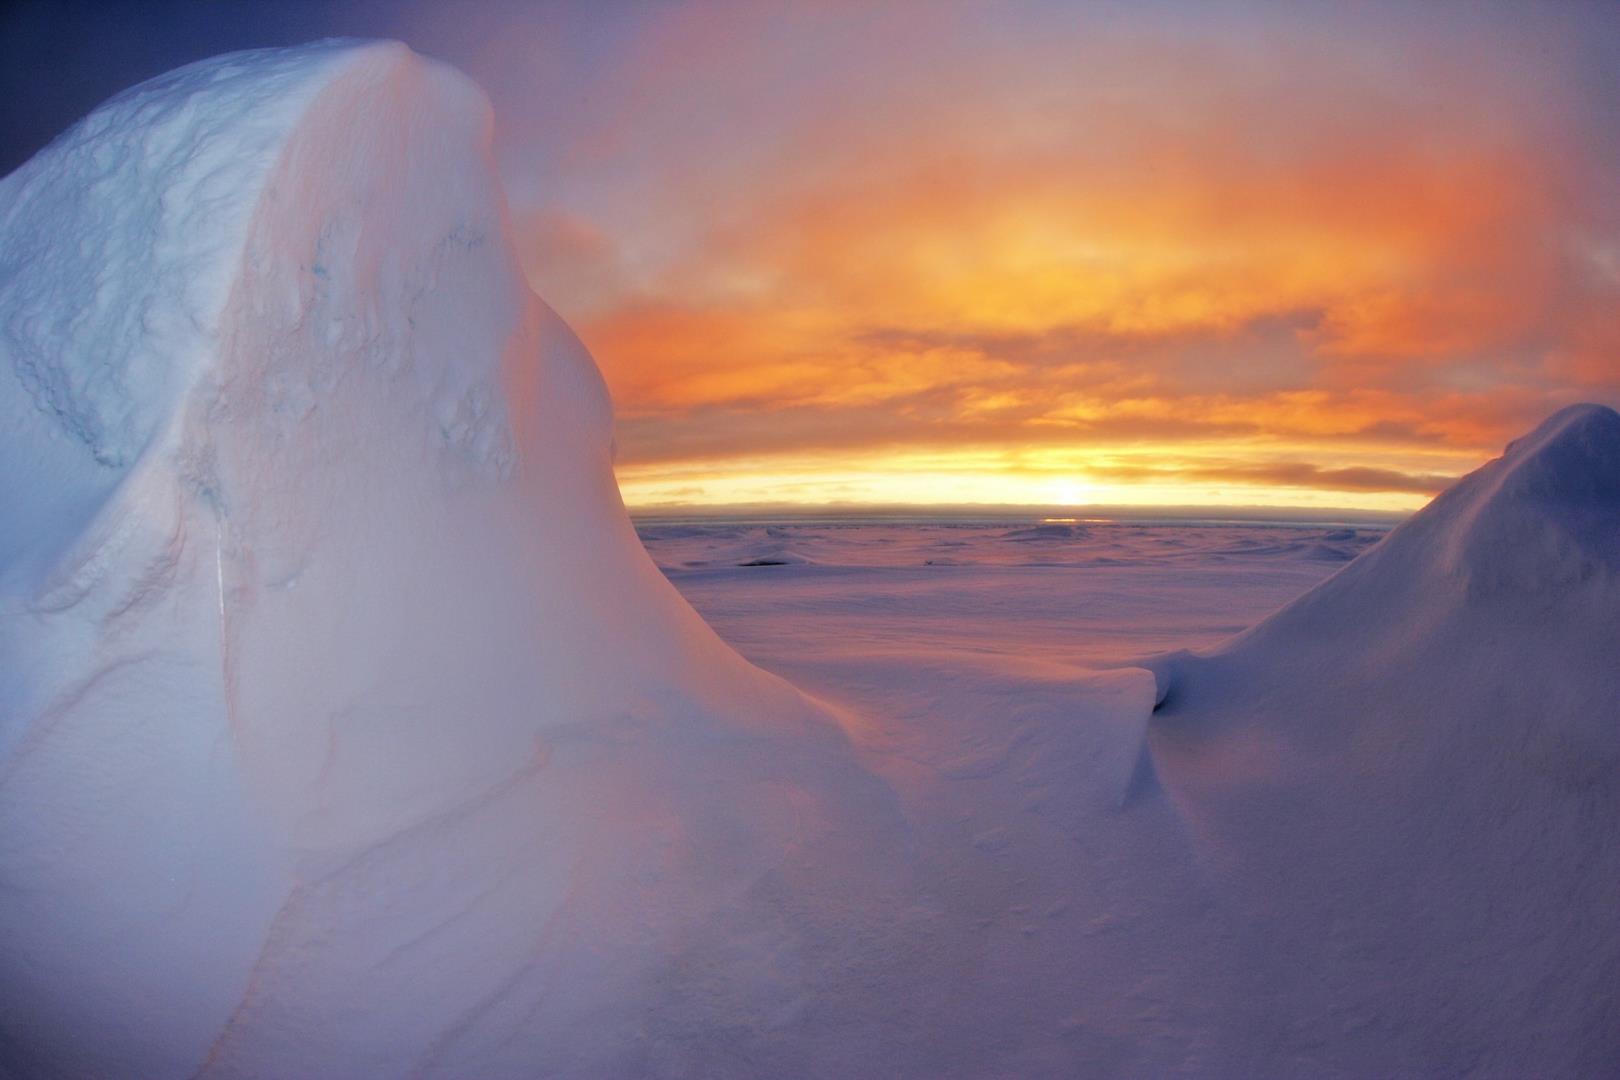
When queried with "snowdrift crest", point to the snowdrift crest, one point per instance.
{"points": [[1546, 515], [332, 674], [1413, 773]]}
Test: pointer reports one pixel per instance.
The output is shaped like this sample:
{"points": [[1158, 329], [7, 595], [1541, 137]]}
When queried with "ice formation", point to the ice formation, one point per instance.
{"points": [[345, 727]]}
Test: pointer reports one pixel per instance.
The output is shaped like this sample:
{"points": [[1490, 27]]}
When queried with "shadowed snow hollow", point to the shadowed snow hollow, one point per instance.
{"points": [[345, 727]]}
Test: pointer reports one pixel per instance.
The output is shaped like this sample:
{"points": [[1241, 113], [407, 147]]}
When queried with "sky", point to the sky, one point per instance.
{"points": [[1308, 255]]}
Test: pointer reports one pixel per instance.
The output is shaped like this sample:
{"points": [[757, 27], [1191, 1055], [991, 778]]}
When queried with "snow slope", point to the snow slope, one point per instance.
{"points": [[1411, 776], [1377, 834], [345, 727]]}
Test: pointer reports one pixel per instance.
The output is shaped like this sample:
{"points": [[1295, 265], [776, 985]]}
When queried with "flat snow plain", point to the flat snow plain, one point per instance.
{"points": [[971, 663], [804, 597], [1296, 911]]}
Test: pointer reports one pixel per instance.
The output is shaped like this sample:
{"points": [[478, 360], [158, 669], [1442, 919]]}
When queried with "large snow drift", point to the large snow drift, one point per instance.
{"points": [[1413, 775], [345, 727]]}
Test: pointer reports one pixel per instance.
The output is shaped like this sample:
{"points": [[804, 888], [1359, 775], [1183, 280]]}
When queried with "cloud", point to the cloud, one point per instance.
{"points": [[1321, 247], [859, 230], [1293, 474]]}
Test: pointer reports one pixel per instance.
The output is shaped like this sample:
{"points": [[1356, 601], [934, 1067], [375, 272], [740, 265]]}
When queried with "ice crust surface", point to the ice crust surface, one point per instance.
{"points": [[347, 728]]}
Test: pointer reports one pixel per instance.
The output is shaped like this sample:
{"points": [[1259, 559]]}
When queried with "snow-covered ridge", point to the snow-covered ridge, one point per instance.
{"points": [[332, 674], [1415, 768], [1546, 515], [1537, 529]]}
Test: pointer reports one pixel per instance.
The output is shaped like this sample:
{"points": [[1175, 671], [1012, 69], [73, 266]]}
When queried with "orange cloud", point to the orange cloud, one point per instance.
{"points": [[1211, 243]]}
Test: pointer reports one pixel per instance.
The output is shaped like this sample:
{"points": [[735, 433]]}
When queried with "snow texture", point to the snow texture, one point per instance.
{"points": [[347, 729], [1416, 769]]}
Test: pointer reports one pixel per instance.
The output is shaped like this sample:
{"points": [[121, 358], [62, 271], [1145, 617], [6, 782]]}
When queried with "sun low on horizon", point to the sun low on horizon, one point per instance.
{"points": [[1056, 254], [1073, 254]]}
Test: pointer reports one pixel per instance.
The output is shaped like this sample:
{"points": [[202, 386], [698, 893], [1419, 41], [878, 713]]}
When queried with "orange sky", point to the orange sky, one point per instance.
{"points": [[1058, 254]]}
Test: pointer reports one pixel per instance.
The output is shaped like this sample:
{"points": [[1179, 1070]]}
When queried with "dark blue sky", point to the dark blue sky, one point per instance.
{"points": [[60, 58]]}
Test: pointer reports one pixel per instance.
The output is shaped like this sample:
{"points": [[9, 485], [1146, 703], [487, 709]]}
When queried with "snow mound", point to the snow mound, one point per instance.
{"points": [[1412, 773], [346, 728], [1046, 532], [779, 557]]}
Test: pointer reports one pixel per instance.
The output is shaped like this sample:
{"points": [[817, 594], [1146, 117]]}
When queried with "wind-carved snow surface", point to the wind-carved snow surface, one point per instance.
{"points": [[346, 729], [1376, 835], [1413, 772]]}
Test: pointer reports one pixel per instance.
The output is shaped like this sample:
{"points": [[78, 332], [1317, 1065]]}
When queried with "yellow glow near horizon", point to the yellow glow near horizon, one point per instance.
{"points": [[996, 476], [1104, 266]]}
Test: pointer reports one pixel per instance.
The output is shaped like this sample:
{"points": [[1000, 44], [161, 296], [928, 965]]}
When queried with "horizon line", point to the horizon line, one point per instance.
{"points": [[984, 512]]}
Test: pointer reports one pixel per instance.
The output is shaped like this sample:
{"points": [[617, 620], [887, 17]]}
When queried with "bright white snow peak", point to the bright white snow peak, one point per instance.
{"points": [[343, 719]]}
